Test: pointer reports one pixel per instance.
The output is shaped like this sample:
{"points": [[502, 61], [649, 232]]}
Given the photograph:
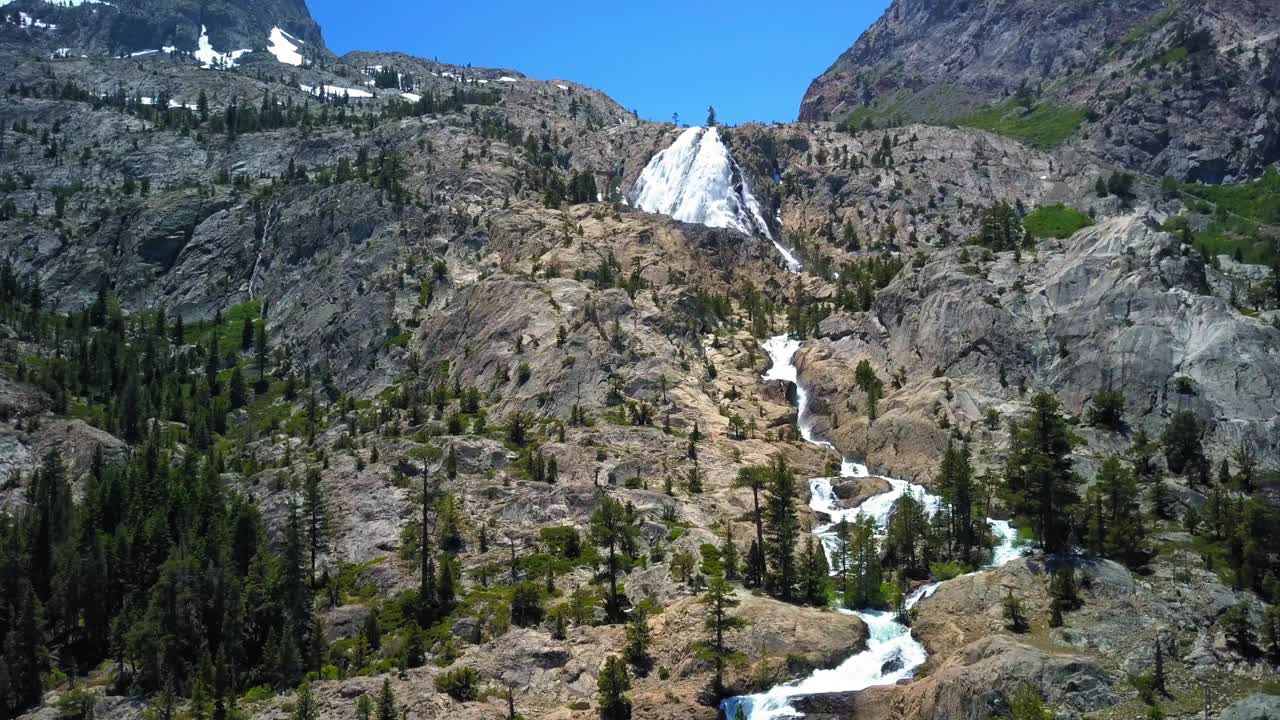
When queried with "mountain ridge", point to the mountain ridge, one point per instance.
{"points": [[1170, 88]]}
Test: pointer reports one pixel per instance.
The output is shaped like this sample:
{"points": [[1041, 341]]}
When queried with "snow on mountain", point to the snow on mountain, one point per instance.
{"points": [[211, 58], [335, 91], [697, 181], [285, 47]]}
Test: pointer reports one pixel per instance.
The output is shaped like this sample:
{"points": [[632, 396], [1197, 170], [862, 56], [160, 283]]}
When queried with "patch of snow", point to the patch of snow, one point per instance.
{"points": [[285, 47], [141, 53], [506, 78], [483, 82], [61, 53], [169, 49], [563, 87], [76, 3], [411, 97], [335, 91], [210, 58], [27, 21]]}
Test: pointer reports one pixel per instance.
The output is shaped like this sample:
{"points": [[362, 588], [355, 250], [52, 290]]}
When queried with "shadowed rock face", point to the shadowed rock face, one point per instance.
{"points": [[135, 26], [1182, 92]]}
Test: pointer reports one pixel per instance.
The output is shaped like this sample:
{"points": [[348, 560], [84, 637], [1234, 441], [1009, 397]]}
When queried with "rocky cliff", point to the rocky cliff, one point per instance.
{"points": [[1181, 89], [217, 33]]}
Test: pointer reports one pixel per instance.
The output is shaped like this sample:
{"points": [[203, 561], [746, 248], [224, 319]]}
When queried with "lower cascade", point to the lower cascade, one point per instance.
{"points": [[892, 653]]}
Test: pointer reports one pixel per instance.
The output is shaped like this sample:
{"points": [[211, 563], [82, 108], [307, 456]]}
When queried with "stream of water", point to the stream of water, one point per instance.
{"points": [[892, 653]]}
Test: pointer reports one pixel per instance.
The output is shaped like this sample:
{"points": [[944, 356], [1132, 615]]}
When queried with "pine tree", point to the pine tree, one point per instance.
{"points": [[611, 690], [25, 645], [782, 530], [1013, 612], [636, 651], [304, 706], [817, 574], [428, 610], [1271, 632], [246, 334], [611, 529], [387, 702], [842, 556], [717, 621], [372, 631], [755, 477], [729, 553], [237, 393], [1040, 480], [315, 511], [867, 571], [956, 485], [1120, 512], [1238, 628], [1181, 440], [260, 351]]}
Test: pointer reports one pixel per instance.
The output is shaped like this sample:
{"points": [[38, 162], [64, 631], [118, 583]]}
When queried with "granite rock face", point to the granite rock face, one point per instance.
{"points": [[1184, 89], [1120, 304]]}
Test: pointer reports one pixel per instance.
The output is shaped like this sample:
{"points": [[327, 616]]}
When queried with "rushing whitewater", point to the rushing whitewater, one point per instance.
{"points": [[696, 180], [892, 653]]}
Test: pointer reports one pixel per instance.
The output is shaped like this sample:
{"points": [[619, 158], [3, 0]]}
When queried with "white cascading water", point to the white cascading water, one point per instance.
{"points": [[696, 180], [892, 653]]}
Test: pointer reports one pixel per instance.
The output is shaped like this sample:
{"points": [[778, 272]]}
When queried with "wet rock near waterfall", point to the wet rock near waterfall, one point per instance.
{"points": [[852, 492], [893, 664], [976, 683]]}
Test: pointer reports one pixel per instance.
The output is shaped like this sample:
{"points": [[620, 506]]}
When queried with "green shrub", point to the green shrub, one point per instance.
{"points": [[1055, 221], [1145, 684], [257, 694], [945, 570], [462, 684]]}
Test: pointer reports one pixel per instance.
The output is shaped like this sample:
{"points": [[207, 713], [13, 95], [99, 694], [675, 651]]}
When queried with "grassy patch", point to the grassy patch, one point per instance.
{"points": [[1055, 221], [1258, 200], [1172, 56], [1045, 125], [1239, 211], [230, 329]]}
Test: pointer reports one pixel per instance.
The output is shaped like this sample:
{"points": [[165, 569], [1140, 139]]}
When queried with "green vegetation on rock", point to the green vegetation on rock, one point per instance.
{"points": [[1044, 125], [1055, 221]]}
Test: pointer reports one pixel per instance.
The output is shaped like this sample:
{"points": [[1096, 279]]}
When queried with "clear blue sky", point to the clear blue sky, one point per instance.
{"points": [[752, 60]]}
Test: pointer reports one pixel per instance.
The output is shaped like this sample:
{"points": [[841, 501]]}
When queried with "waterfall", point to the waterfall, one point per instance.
{"points": [[892, 653], [696, 180]]}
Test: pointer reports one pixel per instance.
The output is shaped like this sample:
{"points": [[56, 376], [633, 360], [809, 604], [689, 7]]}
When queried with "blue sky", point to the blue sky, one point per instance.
{"points": [[751, 60]]}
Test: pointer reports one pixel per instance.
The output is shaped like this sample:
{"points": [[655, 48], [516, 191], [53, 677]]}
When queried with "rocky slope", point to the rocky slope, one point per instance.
{"points": [[409, 230], [1181, 89], [1121, 305]]}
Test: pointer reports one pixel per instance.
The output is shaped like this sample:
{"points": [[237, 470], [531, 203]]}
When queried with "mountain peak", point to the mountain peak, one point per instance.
{"points": [[217, 32]]}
